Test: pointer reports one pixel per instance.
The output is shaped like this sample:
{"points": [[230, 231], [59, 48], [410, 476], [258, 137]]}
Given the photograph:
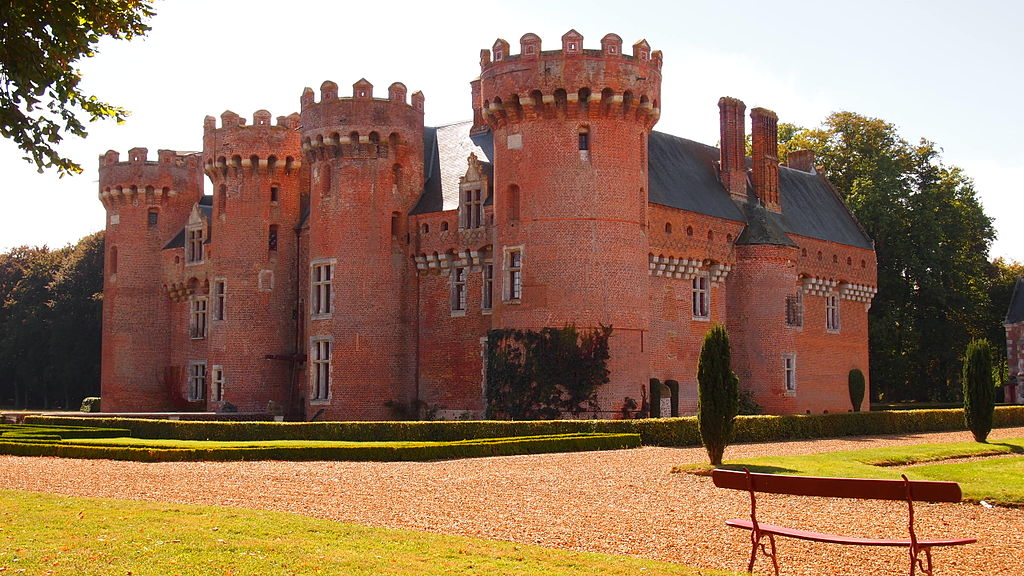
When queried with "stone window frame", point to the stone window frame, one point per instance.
{"points": [[217, 383], [471, 215], [795, 310], [220, 299], [700, 293], [833, 320], [512, 264], [196, 384], [321, 289], [789, 375], [198, 317], [459, 297], [195, 249], [487, 287], [321, 352]]}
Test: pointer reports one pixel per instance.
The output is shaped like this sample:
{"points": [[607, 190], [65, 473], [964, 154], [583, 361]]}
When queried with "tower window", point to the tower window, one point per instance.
{"points": [[832, 313], [153, 217], [274, 191], [789, 368], [584, 139], [197, 320], [459, 289], [701, 298], [220, 296], [514, 274], [272, 238], [487, 299], [320, 300]]}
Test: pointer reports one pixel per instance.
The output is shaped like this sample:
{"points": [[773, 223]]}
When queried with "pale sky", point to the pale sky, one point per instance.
{"points": [[948, 71]]}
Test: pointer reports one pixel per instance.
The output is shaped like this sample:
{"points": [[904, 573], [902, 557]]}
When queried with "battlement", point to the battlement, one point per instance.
{"points": [[261, 147], [229, 120], [569, 83], [360, 126], [155, 182]]}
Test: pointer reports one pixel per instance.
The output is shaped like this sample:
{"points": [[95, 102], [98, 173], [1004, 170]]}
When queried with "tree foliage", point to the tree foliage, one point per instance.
{"points": [[931, 240], [50, 324], [41, 44], [718, 393], [855, 382], [545, 374], [979, 392]]}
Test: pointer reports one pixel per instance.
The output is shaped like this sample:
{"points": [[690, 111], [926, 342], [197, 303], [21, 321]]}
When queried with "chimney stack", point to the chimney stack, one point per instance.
{"points": [[765, 140], [479, 125], [733, 154], [802, 160]]}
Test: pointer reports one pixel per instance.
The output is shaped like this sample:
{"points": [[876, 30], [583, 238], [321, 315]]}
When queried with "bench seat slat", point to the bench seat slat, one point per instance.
{"points": [[836, 539]]}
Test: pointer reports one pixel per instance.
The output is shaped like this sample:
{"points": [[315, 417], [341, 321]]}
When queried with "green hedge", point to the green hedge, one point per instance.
{"points": [[374, 452], [653, 432], [61, 431]]}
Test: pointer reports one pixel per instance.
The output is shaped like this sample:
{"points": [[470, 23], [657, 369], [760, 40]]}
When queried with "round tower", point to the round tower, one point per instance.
{"points": [[147, 205], [258, 183], [570, 131], [365, 157]]}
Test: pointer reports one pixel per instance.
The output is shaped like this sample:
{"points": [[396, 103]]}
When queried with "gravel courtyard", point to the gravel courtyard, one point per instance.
{"points": [[621, 502]]}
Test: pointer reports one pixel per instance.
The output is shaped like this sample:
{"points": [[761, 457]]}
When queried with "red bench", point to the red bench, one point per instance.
{"points": [[905, 490]]}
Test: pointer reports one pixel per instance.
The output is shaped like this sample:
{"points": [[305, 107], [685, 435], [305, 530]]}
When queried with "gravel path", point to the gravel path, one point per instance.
{"points": [[621, 502]]}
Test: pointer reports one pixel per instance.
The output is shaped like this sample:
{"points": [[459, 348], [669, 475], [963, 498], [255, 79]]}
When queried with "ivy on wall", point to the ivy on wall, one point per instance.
{"points": [[545, 374]]}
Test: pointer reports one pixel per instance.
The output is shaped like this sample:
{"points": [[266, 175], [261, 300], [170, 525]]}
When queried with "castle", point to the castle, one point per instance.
{"points": [[351, 260]]}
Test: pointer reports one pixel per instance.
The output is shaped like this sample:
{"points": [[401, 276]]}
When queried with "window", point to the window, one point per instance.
{"points": [[794, 310], [487, 299], [789, 362], [584, 144], [220, 294], [514, 274], [153, 217], [217, 386], [194, 244], [320, 299], [321, 373], [459, 289], [196, 381], [472, 209], [832, 313], [274, 193], [701, 298], [272, 238], [197, 321]]}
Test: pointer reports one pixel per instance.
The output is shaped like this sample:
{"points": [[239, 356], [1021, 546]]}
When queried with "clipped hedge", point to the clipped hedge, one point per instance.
{"points": [[653, 432], [366, 452], [60, 431]]}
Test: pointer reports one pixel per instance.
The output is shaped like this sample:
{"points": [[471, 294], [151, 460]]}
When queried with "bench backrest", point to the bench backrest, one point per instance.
{"points": [[922, 491]]}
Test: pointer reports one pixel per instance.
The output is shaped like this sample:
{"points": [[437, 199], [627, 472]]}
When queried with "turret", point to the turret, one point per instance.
{"points": [[365, 156], [570, 129], [258, 183], [147, 204]]}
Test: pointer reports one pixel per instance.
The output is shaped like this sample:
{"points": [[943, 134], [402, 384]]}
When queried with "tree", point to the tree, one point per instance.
{"points": [[717, 393], [979, 393], [40, 46], [855, 382], [931, 237]]}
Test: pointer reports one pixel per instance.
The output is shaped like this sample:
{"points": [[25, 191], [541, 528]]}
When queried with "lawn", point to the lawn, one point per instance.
{"points": [[999, 479], [49, 534]]}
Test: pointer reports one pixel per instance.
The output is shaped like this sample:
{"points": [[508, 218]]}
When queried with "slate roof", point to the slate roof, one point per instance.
{"points": [[682, 174], [1016, 312]]}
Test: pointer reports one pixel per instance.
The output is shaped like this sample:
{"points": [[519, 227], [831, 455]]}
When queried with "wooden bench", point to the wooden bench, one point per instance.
{"points": [[905, 490]]}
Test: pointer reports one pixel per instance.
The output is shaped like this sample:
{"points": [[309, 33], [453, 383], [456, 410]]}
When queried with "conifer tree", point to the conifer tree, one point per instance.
{"points": [[717, 393], [856, 383], [979, 392]]}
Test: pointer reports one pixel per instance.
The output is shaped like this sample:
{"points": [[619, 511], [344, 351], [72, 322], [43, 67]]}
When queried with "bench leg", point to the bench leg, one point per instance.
{"points": [[925, 564], [755, 540]]}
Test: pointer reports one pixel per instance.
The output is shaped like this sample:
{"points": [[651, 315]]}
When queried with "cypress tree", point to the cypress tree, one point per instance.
{"points": [[856, 383], [979, 392], [717, 393]]}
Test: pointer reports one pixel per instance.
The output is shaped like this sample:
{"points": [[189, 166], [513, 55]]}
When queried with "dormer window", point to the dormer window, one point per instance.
{"points": [[498, 55], [194, 244], [472, 209]]}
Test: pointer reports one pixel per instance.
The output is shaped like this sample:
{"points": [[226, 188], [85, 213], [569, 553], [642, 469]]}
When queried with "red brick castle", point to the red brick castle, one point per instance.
{"points": [[351, 260]]}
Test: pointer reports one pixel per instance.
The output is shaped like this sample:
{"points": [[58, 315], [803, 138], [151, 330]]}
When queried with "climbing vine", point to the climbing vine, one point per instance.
{"points": [[545, 374]]}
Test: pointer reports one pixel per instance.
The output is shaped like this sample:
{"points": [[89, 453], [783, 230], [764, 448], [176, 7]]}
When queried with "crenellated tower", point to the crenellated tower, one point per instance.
{"points": [[147, 204], [365, 158], [253, 302], [570, 130]]}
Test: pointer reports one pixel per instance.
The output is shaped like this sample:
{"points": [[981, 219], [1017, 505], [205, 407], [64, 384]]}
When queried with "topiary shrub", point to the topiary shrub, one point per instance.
{"points": [[90, 404], [717, 393], [855, 381], [979, 392]]}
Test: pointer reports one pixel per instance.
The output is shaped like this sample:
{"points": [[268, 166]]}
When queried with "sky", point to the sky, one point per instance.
{"points": [[944, 70]]}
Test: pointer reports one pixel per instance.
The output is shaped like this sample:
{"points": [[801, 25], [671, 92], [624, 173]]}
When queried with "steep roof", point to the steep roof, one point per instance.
{"points": [[681, 174], [1016, 312]]}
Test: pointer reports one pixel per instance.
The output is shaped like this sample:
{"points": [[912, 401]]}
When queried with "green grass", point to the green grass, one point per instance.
{"points": [[996, 480], [48, 534]]}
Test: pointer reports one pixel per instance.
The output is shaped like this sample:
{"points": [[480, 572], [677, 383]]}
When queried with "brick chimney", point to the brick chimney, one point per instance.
{"points": [[479, 125], [733, 154], [802, 160], [765, 140]]}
